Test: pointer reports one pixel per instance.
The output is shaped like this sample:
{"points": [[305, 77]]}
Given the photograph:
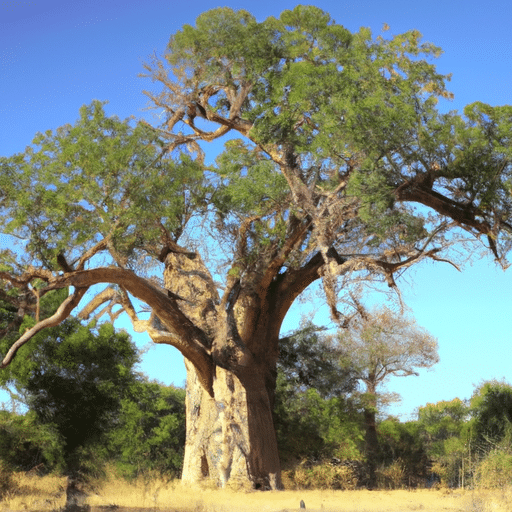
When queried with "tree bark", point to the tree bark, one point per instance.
{"points": [[230, 440]]}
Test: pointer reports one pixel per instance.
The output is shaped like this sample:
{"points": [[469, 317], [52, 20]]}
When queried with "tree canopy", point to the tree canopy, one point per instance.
{"points": [[340, 139], [381, 343]]}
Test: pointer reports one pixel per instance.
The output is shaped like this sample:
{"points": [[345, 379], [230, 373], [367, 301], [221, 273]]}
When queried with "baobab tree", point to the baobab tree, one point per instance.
{"points": [[332, 140]]}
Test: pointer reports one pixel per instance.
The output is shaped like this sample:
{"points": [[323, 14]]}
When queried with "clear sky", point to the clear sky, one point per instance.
{"points": [[58, 55]]}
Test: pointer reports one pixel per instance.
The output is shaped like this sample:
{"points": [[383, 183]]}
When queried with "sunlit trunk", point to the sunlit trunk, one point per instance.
{"points": [[231, 439]]}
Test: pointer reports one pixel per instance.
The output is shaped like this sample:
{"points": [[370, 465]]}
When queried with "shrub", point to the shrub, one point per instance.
{"points": [[322, 475], [391, 476], [495, 471], [25, 444]]}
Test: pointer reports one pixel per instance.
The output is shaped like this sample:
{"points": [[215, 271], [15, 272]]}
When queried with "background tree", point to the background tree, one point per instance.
{"points": [[26, 444], [313, 418], [150, 432], [402, 449], [73, 378], [309, 360], [334, 139], [444, 429], [491, 410], [379, 344]]}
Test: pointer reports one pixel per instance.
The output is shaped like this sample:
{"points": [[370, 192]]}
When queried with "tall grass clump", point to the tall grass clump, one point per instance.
{"points": [[391, 476], [6, 482], [31, 491], [320, 476], [495, 470]]}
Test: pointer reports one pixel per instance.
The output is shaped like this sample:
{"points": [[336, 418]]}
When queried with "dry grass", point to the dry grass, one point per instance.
{"points": [[47, 493], [32, 492], [173, 496]]}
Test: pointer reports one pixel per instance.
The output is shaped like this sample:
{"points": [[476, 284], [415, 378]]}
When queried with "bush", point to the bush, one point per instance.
{"points": [[320, 476], [495, 471], [25, 444], [150, 434]]}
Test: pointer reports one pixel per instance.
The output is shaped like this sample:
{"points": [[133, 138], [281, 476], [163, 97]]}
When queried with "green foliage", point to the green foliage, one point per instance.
{"points": [[98, 179], [311, 415], [150, 432], [491, 408], [345, 104], [310, 426], [495, 470], [73, 379], [227, 45], [9, 321], [402, 452], [26, 444], [441, 423], [308, 359], [313, 427], [248, 184], [443, 427]]}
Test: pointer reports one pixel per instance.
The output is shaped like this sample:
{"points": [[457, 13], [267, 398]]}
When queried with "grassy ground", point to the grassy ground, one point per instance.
{"points": [[47, 493]]}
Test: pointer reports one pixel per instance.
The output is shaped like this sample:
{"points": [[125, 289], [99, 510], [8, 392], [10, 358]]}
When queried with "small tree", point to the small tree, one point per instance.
{"points": [[444, 429], [150, 431], [491, 409], [377, 345], [402, 444], [313, 419], [73, 378], [26, 444], [308, 359]]}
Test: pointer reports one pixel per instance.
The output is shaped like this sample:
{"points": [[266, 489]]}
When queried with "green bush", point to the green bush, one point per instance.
{"points": [[150, 434], [25, 444]]}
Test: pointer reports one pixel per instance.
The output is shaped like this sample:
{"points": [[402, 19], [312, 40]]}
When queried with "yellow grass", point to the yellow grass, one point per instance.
{"points": [[31, 492], [47, 493], [174, 496]]}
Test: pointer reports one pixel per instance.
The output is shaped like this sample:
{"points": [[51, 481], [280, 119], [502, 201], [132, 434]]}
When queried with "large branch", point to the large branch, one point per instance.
{"points": [[60, 315], [189, 339], [419, 190], [289, 285]]}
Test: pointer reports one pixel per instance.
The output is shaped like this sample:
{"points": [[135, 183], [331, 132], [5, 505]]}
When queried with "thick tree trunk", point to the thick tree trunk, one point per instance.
{"points": [[231, 439], [76, 497]]}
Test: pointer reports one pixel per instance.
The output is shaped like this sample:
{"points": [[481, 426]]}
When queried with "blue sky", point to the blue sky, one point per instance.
{"points": [[58, 55]]}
